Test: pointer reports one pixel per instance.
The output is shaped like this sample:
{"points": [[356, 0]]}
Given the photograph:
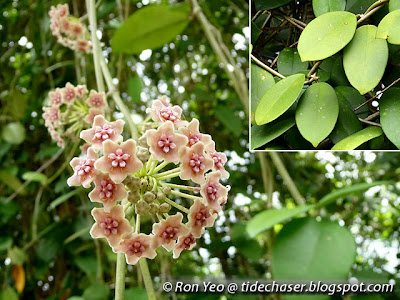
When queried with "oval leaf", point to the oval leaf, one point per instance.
{"points": [[317, 112], [389, 107], [261, 81], [358, 138], [279, 98], [14, 133], [321, 7], [261, 135], [135, 88], [326, 35], [365, 59], [393, 5], [389, 28], [268, 218], [151, 27], [34, 176], [322, 251], [354, 100], [289, 62]]}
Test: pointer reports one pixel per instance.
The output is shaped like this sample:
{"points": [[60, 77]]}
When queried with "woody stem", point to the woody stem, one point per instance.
{"points": [[148, 283]]}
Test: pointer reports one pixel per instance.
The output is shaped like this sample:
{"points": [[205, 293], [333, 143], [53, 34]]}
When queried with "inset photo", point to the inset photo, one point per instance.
{"points": [[325, 75]]}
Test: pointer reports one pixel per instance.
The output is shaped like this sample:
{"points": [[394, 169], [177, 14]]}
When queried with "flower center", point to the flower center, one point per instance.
{"points": [[97, 101], [212, 190], [169, 115], [189, 240], [110, 226], [201, 216], [103, 133], [218, 163], [69, 94], [136, 248], [85, 168], [106, 190], [166, 143], [193, 138], [56, 99], [196, 163], [119, 158], [170, 233]]}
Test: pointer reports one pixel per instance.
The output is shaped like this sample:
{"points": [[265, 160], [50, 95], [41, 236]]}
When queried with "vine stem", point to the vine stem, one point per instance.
{"points": [[265, 67], [176, 205], [191, 197], [148, 283], [120, 277], [166, 172]]}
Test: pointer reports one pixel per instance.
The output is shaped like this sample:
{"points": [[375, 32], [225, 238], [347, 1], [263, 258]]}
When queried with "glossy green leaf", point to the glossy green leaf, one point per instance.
{"points": [[347, 122], [135, 88], [394, 5], [279, 98], [342, 192], [14, 133], [326, 35], [358, 138], [317, 112], [151, 27], [358, 6], [309, 250], [34, 176], [389, 107], [334, 66], [389, 28], [261, 135], [354, 99], [321, 7], [255, 32], [269, 4], [289, 62], [365, 59], [268, 218], [261, 81]]}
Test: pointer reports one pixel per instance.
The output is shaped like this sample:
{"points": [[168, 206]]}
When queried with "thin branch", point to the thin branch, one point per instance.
{"points": [[371, 10], [370, 123], [265, 67]]}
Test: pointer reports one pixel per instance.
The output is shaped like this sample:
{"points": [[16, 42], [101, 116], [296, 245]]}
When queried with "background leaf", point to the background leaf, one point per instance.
{"points": [[269, 4], [389, 107], [135, 88], [358, 138], [261, 81], [323, 6], [289, 62], [263, 134], [389, 28]]}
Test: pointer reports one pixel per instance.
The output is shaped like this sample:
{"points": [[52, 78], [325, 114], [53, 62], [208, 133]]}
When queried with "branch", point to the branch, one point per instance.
{"points": [[265, 67]]}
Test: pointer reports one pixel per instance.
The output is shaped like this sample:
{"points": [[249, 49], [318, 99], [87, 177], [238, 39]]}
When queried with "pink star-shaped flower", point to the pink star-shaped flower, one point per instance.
{"points": [[84, 170], [81, 90], [193, 134], [93, 112], [136, 246], [119, 160], [69, 93], [51, 114], [213, 192], [200, 217], [96, 99], [219, 159], [168, 231], [185, 242], [162, 113], [111, 225], [194, 163], [107, 192], [55, 98], [101, 131], [165, 143]]}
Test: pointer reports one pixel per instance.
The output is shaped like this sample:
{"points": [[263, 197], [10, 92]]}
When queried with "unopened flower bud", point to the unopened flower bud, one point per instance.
{"points": [[142, 153], [154, 208], [164, 208], [133, 196], [144, 184], [142, 207], [149, 197], [143, 141], [147, 126], [129, 212], [161, 196], [134, 183], [166, 190]]}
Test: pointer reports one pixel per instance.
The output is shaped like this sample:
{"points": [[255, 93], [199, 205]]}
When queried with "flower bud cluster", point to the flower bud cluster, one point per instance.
{"points": [[69, 30], [70, 110], [134, 182]]}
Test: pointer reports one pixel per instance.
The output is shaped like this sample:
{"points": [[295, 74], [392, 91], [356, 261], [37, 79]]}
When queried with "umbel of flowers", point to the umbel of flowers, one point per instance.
{"points": [[72, 109], [132, 181], [69, 30]]}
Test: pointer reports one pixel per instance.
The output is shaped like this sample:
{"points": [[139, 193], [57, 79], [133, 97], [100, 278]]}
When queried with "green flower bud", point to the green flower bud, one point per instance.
{"points": [[161, 196], [166, 190], [143, 141], [142, 207], [144, 184], [133, 196], [149, 197], [154, 208], [134, 183], [130, 212], [164, 208], [142, 153]]}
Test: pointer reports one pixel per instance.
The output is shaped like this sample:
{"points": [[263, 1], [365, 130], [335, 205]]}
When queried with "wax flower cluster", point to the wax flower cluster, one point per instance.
{"points": [[69, 30], [132, 181], [72, 109]]}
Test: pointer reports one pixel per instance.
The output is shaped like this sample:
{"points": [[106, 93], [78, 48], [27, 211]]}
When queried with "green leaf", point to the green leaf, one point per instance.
{"points": [[97, 291], [230, 120], [135, 88], [269, 4], [358, 6], [151, 27], [87, 264], [289, 62], [9, 294], [17, 104], [326, 35], [14, 133], [261, 81], [5, 242], [136, 293], [309, 250], [340, 193], [261, 135], [365, 59], [394, 5], [268, 218], [358, 138], [62, 199], [279, 98], [354, 99], [34, 176], [255, 32], [17, 255], [317, 112], [10, 180], [347, 122], [389, 28], [47, 249], [321, 7], [250, 248], [389, 107]]}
